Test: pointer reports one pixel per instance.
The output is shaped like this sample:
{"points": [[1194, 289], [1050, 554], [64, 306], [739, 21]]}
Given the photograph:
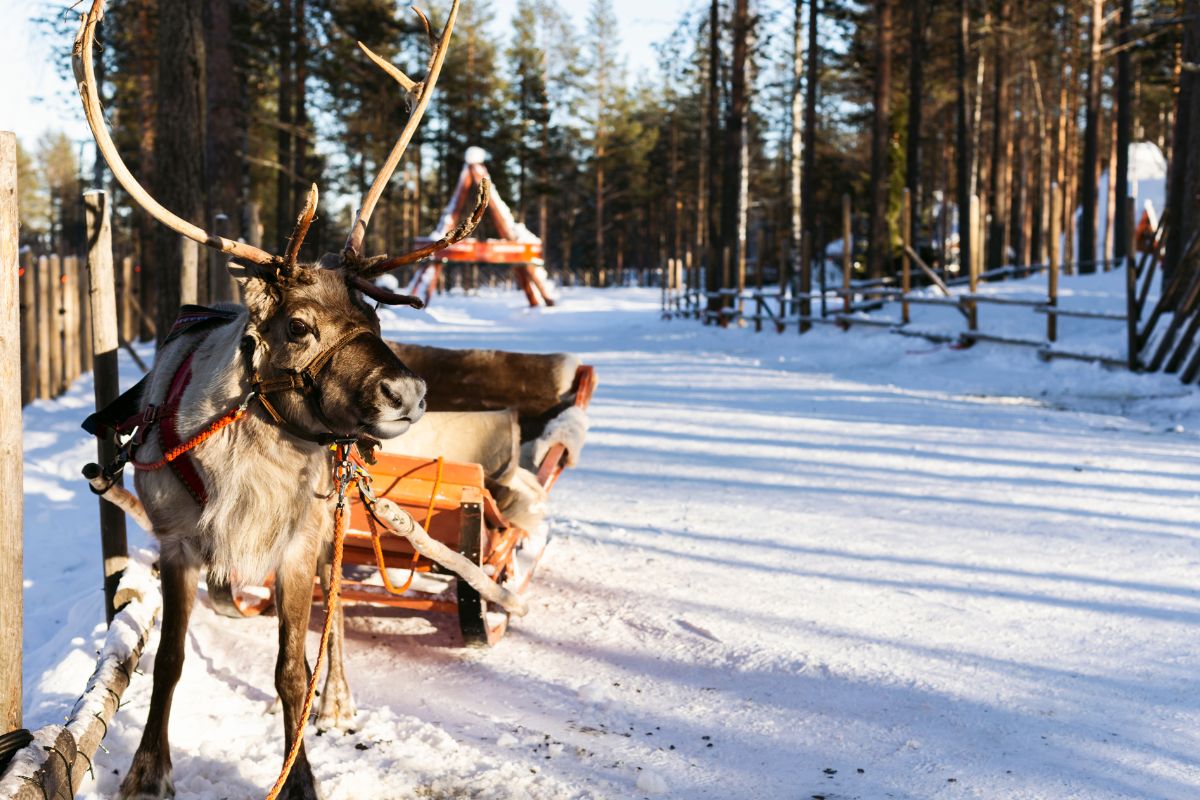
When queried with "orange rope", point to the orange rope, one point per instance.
{"points": [[175, 452], [331, 602], [376, 543]]}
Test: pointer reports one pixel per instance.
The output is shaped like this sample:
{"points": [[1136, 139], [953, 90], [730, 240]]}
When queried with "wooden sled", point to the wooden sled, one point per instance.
{"points": [[456, 500]]}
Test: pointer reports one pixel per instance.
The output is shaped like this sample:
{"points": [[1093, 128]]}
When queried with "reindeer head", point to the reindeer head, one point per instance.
{"points": [[314, 343]]}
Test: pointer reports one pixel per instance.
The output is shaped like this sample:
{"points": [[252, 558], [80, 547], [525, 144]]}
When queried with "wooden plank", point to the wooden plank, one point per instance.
{"points": [[847, 250], [878, 323], [934, 278], [45, 318], [1066, 312], [105, 344], [997, 339], [905, 256], [1052, 273], [85, 309], [1049, 353], [1003, 301], [56, 326], [12, 493], [29, 361]]}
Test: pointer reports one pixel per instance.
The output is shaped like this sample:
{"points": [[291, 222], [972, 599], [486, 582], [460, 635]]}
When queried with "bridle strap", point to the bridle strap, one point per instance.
{"points": [[303, 380]]}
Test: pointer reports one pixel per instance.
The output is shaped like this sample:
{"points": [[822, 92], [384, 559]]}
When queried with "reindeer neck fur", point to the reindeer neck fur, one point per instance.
{"points": [[262, 483]]}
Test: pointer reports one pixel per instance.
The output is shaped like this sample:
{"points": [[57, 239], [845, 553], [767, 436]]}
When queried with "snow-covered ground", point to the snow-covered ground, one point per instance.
{"points": [[843, 565]]}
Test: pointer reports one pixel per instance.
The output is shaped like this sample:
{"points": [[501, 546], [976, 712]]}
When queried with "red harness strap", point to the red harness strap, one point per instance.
{"points": [[168, 434]]}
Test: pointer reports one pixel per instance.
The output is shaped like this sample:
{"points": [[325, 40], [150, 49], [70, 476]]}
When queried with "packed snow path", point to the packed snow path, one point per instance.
{"points": [[848, 565]]}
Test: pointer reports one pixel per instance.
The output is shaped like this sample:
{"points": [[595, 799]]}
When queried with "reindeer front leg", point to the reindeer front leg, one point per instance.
{"points": [[337, 705], [149, 775], [293, 601]]}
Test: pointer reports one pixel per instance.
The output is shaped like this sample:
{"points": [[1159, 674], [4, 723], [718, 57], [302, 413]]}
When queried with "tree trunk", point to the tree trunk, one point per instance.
{"points": [[808, 189], [179, 146], [285, 102], [963, 136], [880, 245], [1091, 145], [1121, 232], [999, 188], [796, 148], [1183, 203], [713, 260], [225, 129], [916, 88], [732, 222]]}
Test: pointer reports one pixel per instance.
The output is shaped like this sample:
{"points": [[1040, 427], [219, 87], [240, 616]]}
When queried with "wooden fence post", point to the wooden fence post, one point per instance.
{"points": [[70, 320], [806, 248], [127, 322], [1052, 272], [45, 325], [85, 312], [1131, 286], [56, 326], [12, 492], [28, 329], [105, 344], [847, 253], [905, 261], [976, 259]]}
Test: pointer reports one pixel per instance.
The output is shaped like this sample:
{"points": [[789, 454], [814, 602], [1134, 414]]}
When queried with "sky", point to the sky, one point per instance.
{"points": [[34, 98]]}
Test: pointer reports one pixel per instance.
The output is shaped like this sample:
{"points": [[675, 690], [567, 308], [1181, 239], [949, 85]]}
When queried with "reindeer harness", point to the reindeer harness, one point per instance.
{"points": [[116, 419]]}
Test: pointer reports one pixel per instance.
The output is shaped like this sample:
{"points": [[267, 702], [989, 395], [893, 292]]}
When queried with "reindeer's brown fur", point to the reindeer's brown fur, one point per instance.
{"points": [[268, 492]]}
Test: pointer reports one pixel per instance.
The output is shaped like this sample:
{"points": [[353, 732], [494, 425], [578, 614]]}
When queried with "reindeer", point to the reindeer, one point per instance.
{"points": [[305, 362]]}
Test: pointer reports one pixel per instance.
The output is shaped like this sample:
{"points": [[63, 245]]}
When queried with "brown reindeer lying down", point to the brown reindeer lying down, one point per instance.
{"points": [[305, 362]]}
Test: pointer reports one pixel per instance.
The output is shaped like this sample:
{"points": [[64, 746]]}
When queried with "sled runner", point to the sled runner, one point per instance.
{"points": [[476, 471]]}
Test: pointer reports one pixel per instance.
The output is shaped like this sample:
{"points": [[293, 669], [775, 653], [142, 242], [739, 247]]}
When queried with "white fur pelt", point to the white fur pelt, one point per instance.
{"points": [[568, 429], [268, 483]]}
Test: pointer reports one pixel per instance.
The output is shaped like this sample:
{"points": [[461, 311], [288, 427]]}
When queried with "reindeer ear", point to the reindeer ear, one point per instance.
{"points": [[260, 287]]}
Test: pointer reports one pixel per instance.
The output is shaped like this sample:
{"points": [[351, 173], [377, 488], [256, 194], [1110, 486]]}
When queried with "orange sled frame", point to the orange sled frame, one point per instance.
{"points": [[456, 508]]}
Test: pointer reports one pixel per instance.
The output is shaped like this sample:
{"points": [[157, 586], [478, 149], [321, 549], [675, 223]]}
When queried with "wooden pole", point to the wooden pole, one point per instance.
{"points": [[1052, 272], [70, 320], [973, 267], [847, 252], [906, 262], [806, 248], [85, 310], [56, 326], [1126, 212], [125, 291], [29, 360], [105, 344], [12, 493], [45, 320]]}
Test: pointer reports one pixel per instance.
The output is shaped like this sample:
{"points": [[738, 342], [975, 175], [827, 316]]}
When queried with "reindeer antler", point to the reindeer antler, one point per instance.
{"points": [[418, 93], [460, 232], [81, 61]]}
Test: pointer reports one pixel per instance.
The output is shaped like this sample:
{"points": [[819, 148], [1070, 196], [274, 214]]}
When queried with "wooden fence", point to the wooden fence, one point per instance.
{"points": [[1165, 338], [56, 320]]}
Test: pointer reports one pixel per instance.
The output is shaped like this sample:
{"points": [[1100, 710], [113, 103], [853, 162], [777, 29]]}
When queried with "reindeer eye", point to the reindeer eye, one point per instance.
{"points": [[298, 328]]}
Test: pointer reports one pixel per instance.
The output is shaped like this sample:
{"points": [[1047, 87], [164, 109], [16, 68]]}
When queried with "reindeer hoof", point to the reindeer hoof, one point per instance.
{"points": [[337, 711], [146, 781]]}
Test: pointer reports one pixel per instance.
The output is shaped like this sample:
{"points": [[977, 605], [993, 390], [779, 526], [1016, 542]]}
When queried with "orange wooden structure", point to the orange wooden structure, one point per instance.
{"points": [[455, 507], [517, 246]]}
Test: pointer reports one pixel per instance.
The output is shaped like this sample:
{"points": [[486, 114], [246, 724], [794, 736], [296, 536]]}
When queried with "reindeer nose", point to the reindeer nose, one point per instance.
{"points": [[405, 395]]}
